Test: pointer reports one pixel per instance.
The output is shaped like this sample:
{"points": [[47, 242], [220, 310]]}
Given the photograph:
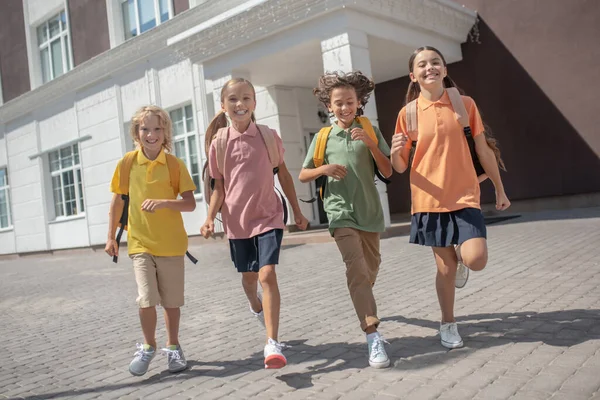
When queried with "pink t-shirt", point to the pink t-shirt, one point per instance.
{"points": [[251, 205]]}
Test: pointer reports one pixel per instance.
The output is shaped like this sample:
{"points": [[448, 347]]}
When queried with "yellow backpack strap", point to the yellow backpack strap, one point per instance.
{"points": [[272, 149], [412, 127], [319, 154], [462, 116], [368, 127], [173, 166], [124, 170], [221, 139]]}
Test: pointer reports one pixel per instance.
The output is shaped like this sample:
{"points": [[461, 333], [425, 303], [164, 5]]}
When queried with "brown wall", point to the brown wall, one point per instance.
{"points": [[89, 29], [13, 50], [534, 79], [180, 6]]}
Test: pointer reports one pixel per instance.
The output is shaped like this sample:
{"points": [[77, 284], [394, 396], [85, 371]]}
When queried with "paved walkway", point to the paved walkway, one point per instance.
{"points": [[530, 322]]}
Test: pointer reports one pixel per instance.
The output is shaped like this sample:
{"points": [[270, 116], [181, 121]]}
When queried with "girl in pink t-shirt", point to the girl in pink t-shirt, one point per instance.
{"points": [[251, 210]]}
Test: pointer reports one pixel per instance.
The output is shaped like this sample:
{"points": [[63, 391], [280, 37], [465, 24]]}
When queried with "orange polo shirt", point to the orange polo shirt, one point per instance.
{"points": [[442, 177]]}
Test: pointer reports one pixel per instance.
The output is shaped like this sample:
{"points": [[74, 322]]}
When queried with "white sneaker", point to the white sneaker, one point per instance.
{"points": [[449, 335], [378, 358], [274, 357], [176, 361], [260, 316], [462, 272]]}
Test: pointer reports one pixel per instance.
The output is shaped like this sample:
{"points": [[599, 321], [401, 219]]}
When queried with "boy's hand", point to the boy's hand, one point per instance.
{"points": [[336, 171], [360, 134], [112, 248], [208, 228], [151, 205], [502, 202], [398, 142], [301, 221]]}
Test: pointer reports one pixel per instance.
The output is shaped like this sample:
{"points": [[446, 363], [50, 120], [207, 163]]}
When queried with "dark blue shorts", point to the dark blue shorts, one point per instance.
{"points": [[250, 255], [447, 228]]}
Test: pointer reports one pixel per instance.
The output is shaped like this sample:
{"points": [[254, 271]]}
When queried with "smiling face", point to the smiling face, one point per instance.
{"points": [[151, 135], [344, 105], [239, 101], [428, 70]]}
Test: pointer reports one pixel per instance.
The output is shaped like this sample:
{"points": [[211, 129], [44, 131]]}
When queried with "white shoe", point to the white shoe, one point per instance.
{"points": [[378, 358], [274, 357], [260, 316], [462, 272], [449, 335]]}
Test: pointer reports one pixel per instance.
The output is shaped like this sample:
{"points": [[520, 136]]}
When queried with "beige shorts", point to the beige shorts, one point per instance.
{"points": [[160, 280]]}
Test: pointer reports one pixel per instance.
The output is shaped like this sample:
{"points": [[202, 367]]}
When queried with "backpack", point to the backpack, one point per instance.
{"points": [[221, 146], [462, 116], [124, 170], [319, 154]]}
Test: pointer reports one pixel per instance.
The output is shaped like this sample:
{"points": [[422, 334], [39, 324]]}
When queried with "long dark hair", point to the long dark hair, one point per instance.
{"points": [[414, 89]]}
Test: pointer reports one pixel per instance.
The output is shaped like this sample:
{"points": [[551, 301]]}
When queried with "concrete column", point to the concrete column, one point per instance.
{"points": [[350, 52]]}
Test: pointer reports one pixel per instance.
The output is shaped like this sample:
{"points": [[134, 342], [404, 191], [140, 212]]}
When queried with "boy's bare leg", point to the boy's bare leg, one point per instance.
{"points": [[148, 321], [172, 317]]}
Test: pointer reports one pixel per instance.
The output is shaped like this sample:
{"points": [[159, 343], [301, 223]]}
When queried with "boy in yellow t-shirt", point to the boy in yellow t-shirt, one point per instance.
{"points": [[157, 240]]}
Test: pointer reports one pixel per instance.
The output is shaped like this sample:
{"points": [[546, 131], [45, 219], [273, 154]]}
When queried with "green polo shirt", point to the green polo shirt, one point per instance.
{"points": [[352, 202]]}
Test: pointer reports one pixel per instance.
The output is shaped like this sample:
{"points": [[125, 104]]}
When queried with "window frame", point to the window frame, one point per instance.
{"points": [[5, 186], [198, 193], [66, 48], [77, 182], [136, 6]]}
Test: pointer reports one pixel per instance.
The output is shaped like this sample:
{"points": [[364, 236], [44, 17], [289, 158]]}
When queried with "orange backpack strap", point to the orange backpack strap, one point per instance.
{"points": [[458, 105], [412, 127], [173, 166], [368, 127], [125, 169], [319, 154], [221, 147], [270, 142]]}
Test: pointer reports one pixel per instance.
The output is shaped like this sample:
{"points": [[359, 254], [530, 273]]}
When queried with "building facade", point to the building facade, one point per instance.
{"points": [[73, 72]]}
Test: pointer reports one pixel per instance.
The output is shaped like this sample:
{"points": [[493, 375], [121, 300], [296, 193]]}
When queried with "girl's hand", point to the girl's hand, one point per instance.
{"points": [[208, 228], [301, 221], [398, 142], [502, 202], [360, 134], [336, 171], [151, 205]]}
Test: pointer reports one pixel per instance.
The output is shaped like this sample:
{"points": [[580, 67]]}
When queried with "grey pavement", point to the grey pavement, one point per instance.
{"points": [[530, 322]]}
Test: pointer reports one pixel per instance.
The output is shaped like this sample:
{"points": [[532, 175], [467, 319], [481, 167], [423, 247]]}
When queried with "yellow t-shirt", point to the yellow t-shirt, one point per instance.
{"points": [[442, 177], [160, 233]]}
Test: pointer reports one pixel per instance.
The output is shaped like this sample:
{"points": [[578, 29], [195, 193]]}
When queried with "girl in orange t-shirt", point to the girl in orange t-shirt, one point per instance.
{"points": [[446, 212]]}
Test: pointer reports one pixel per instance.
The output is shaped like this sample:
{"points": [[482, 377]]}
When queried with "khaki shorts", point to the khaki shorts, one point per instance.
{"points": [[160, 280]]}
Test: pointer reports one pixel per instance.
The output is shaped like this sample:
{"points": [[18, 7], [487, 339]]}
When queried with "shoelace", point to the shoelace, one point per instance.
{"points": [[171, 354], [141, 353], [280, 346], [377, 347]]}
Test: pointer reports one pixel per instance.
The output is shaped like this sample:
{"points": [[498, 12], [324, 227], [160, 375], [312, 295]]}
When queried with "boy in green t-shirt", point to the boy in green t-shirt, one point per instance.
{"points": [[350, 198]]}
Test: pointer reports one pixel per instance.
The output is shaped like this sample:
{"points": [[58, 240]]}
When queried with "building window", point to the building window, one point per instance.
{"points": [[55, 51], [142, 15], [185, 141], [5, 221], [67, 187]]}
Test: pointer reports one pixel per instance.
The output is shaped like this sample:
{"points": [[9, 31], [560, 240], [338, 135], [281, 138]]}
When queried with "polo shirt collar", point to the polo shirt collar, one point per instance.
{"points": [[142, 159], [338, 130], [424, 104], [251, 131]]}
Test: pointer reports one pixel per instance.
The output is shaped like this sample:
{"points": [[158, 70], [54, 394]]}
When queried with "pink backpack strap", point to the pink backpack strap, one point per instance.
{"points": [[458, 105], [269, 138], [412, 125], [221, 146]]}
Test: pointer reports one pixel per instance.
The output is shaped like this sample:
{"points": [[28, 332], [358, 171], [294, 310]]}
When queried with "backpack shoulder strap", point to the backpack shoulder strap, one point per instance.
{"points": [[124, 170], [221, 139], [270, 142], [368, 127], [412, 126], [173, 166], [319, 154], [458, 105]]}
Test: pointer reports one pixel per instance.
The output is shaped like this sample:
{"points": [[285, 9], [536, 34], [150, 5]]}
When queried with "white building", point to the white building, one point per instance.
{"points": [[60, 142]]}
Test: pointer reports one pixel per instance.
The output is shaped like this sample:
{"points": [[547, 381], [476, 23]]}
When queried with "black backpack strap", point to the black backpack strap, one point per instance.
{"points": [[471, 143], [122, 222], [379, 175], [191, 257], [285, 209]]}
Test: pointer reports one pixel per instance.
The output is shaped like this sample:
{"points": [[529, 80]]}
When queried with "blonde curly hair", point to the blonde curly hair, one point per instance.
{"points": [[164, 122]]}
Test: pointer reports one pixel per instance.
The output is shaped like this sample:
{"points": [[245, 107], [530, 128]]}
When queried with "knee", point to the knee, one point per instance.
{"points": [[268, 277], [476, 263], [249, 278]]}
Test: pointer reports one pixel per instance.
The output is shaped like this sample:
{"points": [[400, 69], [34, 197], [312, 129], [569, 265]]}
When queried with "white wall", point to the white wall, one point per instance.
{"points": [[7, 235], [40, 10]]}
